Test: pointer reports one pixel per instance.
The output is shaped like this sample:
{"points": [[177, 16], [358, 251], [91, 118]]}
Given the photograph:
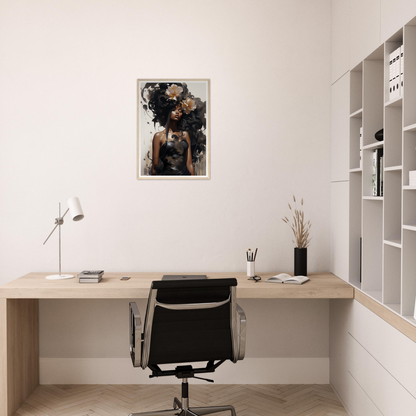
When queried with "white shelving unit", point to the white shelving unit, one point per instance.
{"points": [[384, 227]]}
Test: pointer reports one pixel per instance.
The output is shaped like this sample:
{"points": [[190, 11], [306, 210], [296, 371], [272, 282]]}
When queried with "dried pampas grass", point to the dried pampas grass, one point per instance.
{"points": [[299, 227]]}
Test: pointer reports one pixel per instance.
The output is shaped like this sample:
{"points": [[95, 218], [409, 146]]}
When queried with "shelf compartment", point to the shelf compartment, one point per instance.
{"points": [[409, 109], [395, 307], [393, 131], [373, 105], [355, 154], [392, 168], [357, 114], [373, 198], [392, 205], [409, 208], [375, 294], [395, 102], [393, 243], [356, 89], [392, 275], [409, 273], [367, 157], [373, 146], [412, 127], [409, 155], [355, 215], [389, 47], [372, 246]]}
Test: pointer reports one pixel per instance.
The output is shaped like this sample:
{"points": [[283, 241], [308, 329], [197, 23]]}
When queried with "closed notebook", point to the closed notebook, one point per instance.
{"points": [[286, 278]]}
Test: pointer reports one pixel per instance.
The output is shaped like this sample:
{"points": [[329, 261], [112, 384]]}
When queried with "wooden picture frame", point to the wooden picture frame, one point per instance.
{"points": [[180, 106]]}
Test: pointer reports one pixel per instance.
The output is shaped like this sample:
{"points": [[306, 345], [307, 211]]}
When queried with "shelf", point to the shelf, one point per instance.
{"points": [[373, 198], [409, 188], [395, 102], [371, 146], [357, 114], [409, 227], [393, 243], [392, 168], [410, 319], [412, 127], [375, 294], [395, 307], [356, 170]]}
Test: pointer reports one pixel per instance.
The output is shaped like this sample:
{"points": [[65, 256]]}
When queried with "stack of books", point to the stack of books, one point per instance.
{"points": [[396, 64], [412, 178], [91, 276]]}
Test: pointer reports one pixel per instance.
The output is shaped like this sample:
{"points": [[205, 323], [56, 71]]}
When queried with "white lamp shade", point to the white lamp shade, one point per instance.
{"points": [[75, 209]]}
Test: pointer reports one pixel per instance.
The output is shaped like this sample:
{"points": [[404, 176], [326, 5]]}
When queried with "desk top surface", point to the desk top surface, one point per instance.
{"points": [[35, 286]]}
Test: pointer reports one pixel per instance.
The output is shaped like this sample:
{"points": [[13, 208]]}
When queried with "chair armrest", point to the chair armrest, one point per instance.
{"points": [[241, 331], [135, 335]]}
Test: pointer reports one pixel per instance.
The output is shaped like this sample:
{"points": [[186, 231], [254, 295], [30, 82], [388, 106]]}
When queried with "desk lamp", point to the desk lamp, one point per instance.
{"points": [[75, 210]]}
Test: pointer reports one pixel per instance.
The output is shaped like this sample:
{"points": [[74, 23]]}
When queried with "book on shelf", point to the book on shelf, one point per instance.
{"points": [[377, 174], [287, 278], [401, 69], [394, 74]]}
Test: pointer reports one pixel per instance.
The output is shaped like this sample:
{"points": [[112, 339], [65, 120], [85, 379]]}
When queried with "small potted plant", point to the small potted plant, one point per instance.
{"points": [[302, 239]]}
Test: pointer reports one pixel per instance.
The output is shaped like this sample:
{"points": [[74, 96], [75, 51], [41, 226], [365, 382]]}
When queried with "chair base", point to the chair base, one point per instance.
{"points": [[179, 410]]}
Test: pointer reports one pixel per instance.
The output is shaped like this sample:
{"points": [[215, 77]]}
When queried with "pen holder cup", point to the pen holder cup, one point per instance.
{"points": [[251, 269]]}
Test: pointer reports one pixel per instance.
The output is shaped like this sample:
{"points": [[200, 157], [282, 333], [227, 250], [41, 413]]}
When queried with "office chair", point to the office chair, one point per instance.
{"points": [[187, 322]]}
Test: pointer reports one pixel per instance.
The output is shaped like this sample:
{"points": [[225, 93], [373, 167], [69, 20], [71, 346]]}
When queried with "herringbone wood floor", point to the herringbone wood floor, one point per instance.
{"points": [[121, 400]]}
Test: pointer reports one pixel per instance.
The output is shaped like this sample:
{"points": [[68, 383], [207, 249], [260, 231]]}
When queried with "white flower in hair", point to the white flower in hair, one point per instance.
{"points": [[188, 105], [174, 91]]}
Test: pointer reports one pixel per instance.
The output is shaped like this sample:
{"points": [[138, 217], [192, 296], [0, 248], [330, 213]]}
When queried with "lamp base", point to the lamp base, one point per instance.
{"points": [[59, 276]]}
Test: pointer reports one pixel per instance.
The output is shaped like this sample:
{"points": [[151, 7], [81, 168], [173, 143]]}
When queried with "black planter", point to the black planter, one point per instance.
{"points": [[301, 261]]}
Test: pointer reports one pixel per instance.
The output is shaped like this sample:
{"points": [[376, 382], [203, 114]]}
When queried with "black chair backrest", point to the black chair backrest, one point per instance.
{"points": [[184, 336]]}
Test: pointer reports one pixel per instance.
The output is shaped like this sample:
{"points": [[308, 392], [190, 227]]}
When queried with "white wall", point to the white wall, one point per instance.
{"points": [[68, 128]]}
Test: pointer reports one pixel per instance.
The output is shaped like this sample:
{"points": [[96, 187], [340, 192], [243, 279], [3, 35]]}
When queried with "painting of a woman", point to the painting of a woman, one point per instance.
{"points": [[172, 131]]}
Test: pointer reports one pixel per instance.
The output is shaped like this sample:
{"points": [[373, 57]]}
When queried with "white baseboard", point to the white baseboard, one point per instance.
{"points": [[248, 371]]}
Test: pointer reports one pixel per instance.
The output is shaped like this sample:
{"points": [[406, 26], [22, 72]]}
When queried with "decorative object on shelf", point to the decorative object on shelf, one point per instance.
{"points": [[377, 174], [74, 208], [173, 129], [302, 240], [379, 135]]}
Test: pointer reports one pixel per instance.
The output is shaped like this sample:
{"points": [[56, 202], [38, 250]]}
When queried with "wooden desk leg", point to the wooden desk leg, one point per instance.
{"points": [[19, 352]]}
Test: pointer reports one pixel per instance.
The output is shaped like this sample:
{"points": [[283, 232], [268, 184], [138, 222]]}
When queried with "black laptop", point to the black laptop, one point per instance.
{"points": [[184, 276]]}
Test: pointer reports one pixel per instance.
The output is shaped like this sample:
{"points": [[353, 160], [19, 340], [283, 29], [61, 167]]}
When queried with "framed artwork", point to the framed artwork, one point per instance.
{"points": [[173, 129]]}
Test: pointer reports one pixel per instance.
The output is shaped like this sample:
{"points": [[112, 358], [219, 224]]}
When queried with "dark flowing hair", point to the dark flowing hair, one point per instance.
{"points": [[155, 100]]}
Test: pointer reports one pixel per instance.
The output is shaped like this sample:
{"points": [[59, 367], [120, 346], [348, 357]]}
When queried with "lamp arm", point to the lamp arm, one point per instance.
{"points": [[58, 221]]}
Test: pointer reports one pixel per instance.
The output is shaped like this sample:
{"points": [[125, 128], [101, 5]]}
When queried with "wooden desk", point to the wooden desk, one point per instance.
{"points": [[19, 315]]}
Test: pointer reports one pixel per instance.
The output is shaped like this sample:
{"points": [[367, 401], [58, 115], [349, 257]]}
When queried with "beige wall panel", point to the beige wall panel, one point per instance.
{"points": [[340, 104], [339, 229], [394, 15], [340, 38], [364, 29]]}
